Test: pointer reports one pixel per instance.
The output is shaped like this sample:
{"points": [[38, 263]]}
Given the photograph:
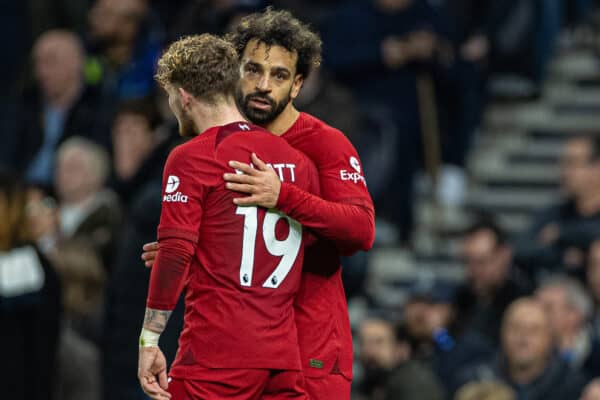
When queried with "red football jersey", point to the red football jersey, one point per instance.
{"points": [[246, 270], [321, 309]]}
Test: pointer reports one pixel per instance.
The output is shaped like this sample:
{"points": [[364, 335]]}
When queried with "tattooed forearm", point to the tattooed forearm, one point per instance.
{"points": [[156, 320]]}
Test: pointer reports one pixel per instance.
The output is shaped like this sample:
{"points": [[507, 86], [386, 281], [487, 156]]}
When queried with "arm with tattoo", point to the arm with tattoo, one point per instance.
{"points": [[156, 320]]}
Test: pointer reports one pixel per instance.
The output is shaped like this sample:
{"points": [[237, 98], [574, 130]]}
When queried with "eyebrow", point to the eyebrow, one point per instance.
{"points": [[282, 69], [252, 64]]}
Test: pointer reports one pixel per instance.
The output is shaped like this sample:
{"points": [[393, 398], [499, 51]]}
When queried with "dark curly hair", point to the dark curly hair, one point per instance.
{"points": [[280, 28], [204, 65]]}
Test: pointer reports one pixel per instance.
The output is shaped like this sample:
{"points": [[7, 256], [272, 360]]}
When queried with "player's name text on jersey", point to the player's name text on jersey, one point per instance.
{"points": [[286, 171], [283, 170], [175, 198]]}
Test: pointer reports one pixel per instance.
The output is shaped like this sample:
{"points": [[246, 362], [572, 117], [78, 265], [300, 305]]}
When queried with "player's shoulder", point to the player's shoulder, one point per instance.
{"points": [[192, 151]]}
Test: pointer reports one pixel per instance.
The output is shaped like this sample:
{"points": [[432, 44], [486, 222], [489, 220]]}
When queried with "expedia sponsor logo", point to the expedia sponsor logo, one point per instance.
{"points": [[355, 164], [355, 177], [175, 198], [172, 184]]}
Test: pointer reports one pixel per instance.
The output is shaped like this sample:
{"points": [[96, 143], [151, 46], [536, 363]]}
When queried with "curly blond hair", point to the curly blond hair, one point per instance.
{"points": [[204, 65]]}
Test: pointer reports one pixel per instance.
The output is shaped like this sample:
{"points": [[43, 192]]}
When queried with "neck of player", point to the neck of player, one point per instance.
{"points": [[224, 112], [284, 121]]}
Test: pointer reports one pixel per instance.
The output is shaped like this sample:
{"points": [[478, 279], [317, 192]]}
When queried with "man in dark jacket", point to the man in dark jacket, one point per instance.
{"points": [[560, 234], [493, 282], [377, 48], [528, 361], [58, 107]]}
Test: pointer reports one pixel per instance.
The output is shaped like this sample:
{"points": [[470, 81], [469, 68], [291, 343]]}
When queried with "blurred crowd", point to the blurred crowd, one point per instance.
{"points": [[85, 133]]}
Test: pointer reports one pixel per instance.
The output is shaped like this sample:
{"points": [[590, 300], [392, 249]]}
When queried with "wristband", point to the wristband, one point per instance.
{"points": [[149, 338]]}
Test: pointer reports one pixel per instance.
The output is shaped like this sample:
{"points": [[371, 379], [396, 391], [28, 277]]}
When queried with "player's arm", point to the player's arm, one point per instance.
{"points": [[177, 234], [345, 214]]}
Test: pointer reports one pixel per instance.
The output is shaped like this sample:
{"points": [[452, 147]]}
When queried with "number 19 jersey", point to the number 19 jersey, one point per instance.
{"points": [[246, 270]]}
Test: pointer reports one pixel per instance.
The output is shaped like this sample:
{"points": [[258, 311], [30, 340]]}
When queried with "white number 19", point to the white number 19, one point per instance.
{"points": [[286, 249]]}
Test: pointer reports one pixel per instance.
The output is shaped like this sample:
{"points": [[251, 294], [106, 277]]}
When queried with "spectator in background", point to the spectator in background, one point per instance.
{"points": [[559, 235], [87, 211], [377, 48], [461, 77], [593, 283], [140, 147], [570, 308], [330, 101], [528, 362], [438, 337], [389, 370], [58, 107], [29, 303], [489, 390], [315, 12], [493, 282], [126, 42], [211, 16]]}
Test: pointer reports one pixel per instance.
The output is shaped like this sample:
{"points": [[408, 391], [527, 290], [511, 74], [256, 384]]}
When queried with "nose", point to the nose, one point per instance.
{"points": [[263, 84]]}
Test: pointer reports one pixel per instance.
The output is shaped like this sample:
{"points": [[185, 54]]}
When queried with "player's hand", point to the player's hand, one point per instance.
{"points": [[152, 365], [149, 254], [261, 183]]}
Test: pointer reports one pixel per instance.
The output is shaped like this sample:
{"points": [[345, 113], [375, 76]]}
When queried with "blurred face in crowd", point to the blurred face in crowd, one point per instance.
{"points": [[422, 318], [593, 271], [415, 316], [76, 178], [58, 63], [177, 98], [379, 348], [487, 263], [268, 81], [133, 141], [526, 335], [116, 21], [576, 168], [565, 319]]}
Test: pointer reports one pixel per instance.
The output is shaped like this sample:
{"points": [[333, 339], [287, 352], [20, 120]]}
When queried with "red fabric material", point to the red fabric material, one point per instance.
{"points": [[219, 384], [344, 212], [231, 323], [321, 309], [329, 387], [246, 384], [169, 273], [350, 226]]}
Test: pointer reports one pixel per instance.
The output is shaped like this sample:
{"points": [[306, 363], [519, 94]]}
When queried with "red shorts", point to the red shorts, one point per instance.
{"points": [[240, 384], [328, 387]]}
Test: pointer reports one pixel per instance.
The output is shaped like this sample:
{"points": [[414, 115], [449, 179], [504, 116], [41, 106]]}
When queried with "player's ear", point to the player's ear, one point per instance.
{"points": [[184, 97], [296, 85]]}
